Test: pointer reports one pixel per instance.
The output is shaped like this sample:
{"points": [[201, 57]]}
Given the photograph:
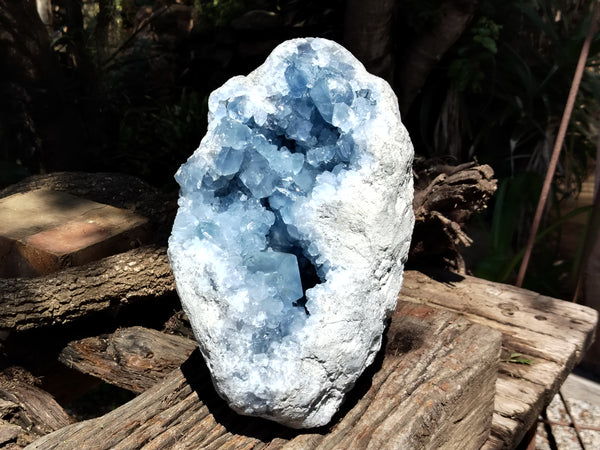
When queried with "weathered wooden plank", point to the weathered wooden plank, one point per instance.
{"points": [[36, 409], [508, 307], [131, 358], [551, 334], [431, 387], [522, 390], [503, 432], [9, 434]]}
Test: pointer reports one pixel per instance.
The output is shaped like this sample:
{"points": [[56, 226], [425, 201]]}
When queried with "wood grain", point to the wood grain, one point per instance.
{"points": [[551, 334], [132, 358], [27, 412], [431, 387]]}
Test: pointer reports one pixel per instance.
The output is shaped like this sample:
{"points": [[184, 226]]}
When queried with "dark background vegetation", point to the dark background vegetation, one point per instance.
{"points": [[122, 86]]}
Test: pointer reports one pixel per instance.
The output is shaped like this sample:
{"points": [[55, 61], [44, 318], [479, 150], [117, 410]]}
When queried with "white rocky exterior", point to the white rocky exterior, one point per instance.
{"points": [[361, 221]]}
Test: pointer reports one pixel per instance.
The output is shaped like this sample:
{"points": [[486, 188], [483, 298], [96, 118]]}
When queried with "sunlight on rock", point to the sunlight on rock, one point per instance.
{"points": [[294, 222]]}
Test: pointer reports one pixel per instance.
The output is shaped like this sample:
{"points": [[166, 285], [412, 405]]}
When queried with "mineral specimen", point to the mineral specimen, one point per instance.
{"points": [[294, 222]]}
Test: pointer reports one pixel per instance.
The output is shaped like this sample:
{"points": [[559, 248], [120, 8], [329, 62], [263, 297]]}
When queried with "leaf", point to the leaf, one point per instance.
{"points": [[518, 358], [486, 42]]}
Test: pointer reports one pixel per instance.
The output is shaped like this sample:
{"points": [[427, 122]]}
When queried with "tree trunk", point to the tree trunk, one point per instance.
{"points": [[368, 34], [425, 52], [29, 72], [104, 19], [44, 9], [39, 119]]}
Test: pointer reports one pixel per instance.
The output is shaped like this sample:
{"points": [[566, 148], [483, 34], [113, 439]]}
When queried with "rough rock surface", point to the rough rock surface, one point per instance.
{"points": [[294, 222]]}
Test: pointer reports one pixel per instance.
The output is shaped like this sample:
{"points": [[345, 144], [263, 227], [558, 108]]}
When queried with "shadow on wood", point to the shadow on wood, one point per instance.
{"points": [[432, 385]]}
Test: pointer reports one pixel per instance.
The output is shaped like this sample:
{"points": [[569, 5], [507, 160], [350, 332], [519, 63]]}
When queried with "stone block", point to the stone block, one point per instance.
{"points": [[44, 231]]}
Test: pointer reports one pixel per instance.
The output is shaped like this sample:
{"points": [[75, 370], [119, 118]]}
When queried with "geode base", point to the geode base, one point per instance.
{"points": [[294, 222]]}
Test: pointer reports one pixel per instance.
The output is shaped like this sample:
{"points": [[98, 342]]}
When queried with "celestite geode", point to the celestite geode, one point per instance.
{"points": [[294, 222]]}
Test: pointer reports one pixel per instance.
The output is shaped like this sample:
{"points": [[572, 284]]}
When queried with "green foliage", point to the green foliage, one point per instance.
{"points": [[466, 70], [512, 197], [155, 138], [499, 97], [220, 12], [518, 358], [513, 70]]}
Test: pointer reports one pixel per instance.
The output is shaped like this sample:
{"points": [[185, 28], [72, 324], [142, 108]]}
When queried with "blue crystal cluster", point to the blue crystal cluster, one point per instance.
{"points": [[257, 162]]}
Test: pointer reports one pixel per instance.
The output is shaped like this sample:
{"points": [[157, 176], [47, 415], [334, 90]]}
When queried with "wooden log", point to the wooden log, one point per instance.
{"points": [[432, 385], [445, 197], [27, 412], [76, 292], [132, 358], [549, 335], [9, 434], [105, 284]]}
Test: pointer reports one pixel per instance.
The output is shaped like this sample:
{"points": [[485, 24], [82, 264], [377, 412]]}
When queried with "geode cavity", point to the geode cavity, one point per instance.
{"points": [[294, 222]]}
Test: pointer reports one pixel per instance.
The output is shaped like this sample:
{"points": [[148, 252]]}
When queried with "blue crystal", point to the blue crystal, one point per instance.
{"points": [[233, 134], [258, 176], [296, 80], [279, 269], [330, 90], [237, 109], [259, 161], [320, 156], [229, 161]]}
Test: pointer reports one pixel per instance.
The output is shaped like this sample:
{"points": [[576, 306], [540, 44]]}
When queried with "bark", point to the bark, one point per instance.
{"points": [[29, 70], [445, 198], [427, 49], [74, 293], [140, 274], [131, 358], [368, 34], [26, 411], [385, 409]]}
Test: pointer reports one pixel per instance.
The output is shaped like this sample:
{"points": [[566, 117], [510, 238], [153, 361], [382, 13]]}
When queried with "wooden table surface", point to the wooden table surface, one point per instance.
{"points": [[550, 335], [467, 363]]}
